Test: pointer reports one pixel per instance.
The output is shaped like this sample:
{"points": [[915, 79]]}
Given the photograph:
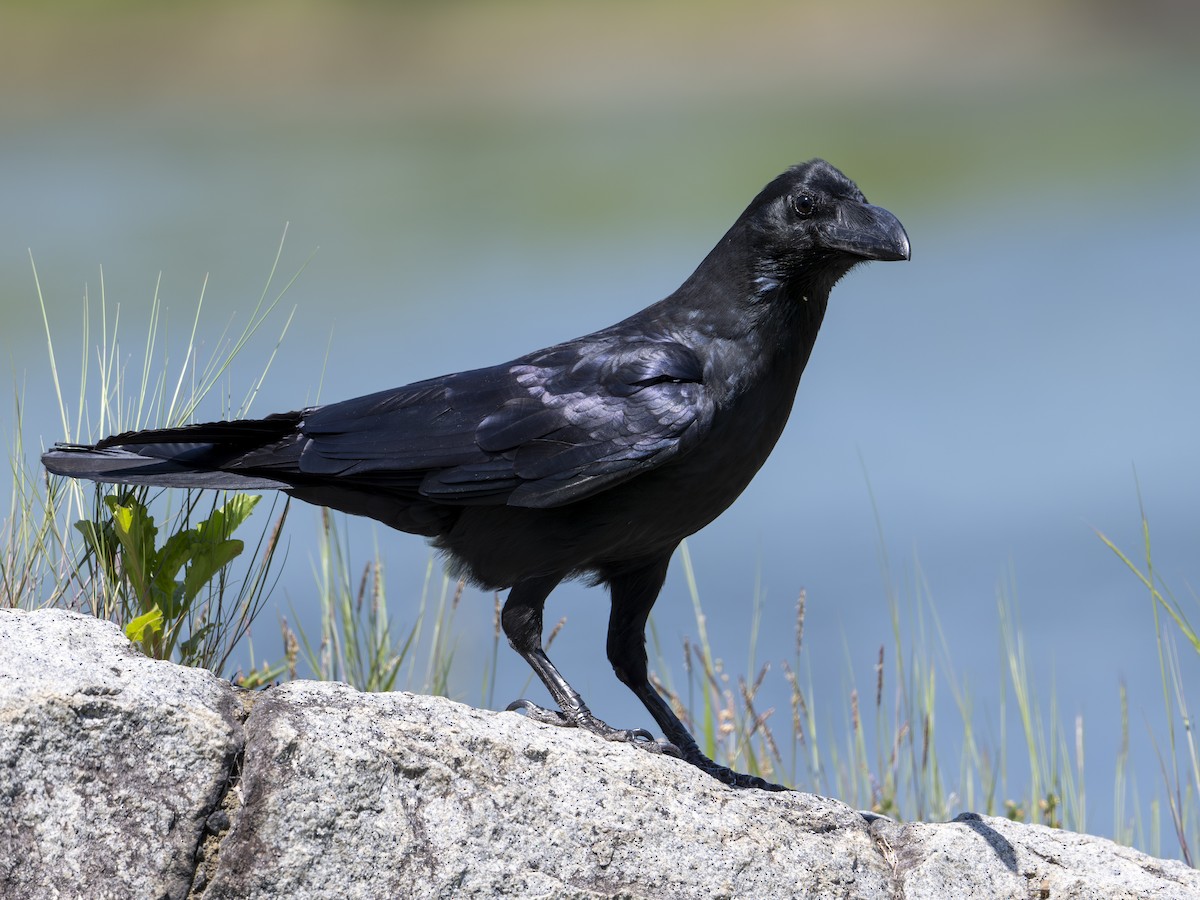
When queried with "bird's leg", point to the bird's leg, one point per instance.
{"points": [[633, 595], [521, 619]]}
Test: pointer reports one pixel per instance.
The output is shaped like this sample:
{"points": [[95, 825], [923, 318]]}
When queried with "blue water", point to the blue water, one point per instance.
{"points": [[988, 406]]}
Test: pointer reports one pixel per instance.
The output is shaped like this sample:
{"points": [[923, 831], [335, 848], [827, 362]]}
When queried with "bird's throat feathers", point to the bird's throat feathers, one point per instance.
{"points": [[788, 305], [786, 324]]}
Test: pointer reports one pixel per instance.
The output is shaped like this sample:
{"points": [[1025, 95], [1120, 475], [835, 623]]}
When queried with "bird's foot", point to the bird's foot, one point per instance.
{"points": [[727, 775], [639, 737]]}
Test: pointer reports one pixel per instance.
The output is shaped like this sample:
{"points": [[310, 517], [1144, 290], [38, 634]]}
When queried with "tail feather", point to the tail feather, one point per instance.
{"points": [[243, 434], [193, 456]]}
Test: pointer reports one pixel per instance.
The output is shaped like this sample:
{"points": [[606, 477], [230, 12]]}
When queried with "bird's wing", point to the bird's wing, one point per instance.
{"points": [[545, 430]]}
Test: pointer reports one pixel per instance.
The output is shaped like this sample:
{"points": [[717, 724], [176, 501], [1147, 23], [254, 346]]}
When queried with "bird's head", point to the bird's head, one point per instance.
{"points": [[810, 226]]}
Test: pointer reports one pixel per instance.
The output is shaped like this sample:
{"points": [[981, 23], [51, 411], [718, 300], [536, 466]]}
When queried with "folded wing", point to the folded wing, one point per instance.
{"points": [[548, 429]]}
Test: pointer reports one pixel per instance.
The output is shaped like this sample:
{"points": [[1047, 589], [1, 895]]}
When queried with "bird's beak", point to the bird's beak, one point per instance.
{"points": [[866, 231]]}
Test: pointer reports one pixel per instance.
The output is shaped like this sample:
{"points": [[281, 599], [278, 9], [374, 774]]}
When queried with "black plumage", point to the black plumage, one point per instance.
{"points": [[593, 458]]}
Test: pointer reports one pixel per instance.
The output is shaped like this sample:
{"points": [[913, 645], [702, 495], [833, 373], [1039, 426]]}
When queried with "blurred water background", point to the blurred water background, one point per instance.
{"points": [[464, 182]]}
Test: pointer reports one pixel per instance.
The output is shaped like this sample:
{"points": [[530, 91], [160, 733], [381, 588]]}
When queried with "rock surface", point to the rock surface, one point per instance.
{"points": [[125, 777], [109, 762]]}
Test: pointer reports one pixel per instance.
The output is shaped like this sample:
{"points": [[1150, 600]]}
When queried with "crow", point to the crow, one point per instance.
{"points": [[593, 458]]}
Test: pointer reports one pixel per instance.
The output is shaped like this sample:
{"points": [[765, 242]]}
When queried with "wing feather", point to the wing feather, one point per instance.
{"points": [[545, 430]]}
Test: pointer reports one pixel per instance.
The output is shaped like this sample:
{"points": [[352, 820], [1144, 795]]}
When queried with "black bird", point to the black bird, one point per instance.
{"points": [[593, 458]]}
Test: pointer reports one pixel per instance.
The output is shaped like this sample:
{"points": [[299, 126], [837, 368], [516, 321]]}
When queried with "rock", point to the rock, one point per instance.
{"points": [[403, 795], [982, 856], [116, 770], [110, 762]]}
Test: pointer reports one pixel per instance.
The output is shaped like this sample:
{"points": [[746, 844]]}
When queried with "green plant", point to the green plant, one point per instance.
{"points": [[159, 609], [886, 756], [1055, 795], [1181, 766], [729, 727], [34, 562], [358, 643], [178, 597]]}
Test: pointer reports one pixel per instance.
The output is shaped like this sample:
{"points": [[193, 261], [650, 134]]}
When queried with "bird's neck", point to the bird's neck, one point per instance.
{"points": [[750, 339], [786, 323], [743, 296], [754, 304]]}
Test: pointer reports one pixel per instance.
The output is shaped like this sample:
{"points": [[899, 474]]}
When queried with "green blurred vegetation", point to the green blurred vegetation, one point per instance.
{"points": [[941, 102], [929, 95]]}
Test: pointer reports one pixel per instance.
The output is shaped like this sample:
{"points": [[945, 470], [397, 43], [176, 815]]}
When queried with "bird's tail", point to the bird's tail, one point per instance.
{"points": [[213, 455]]}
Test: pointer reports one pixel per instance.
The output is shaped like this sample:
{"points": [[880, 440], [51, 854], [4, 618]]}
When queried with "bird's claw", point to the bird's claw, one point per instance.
{"points": [[663, 746], [741, 780], [728, 776], [638, 737], [643, 740], [540, 713]]}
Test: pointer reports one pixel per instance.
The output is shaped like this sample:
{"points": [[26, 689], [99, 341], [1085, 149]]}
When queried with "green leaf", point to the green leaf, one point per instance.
{"points": [[136, 531], [189, 648], [224, 521], [205, 563], [212, 548], [101, 541], [136, 630], [173, 556], [93, 532], [175, 553]]}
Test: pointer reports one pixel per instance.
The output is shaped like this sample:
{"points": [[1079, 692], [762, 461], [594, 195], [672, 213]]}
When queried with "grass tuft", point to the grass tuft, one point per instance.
{"points": [[149, 561]]}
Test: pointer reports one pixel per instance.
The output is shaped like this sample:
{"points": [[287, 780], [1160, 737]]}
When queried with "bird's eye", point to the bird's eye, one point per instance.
{"points": [[804, 205]]}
